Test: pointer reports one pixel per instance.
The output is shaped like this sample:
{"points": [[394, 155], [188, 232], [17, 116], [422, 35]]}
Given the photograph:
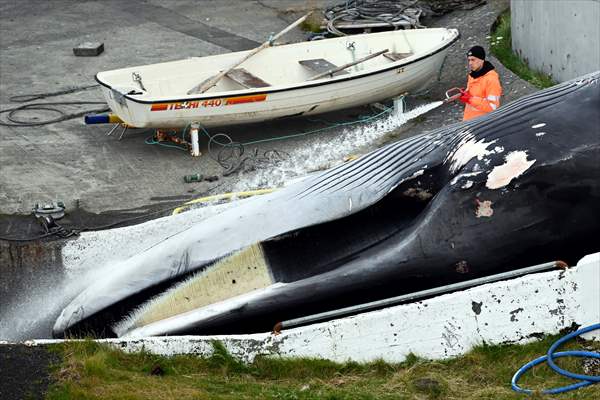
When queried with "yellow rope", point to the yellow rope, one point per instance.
{"points": [[221, 196]]}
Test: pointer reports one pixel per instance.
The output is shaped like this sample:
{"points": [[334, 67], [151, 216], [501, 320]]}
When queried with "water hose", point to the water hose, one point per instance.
{"points": [[585, 380]]}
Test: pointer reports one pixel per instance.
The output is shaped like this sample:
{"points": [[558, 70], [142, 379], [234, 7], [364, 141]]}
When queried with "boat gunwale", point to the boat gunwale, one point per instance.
{"points": [[303, 85]]}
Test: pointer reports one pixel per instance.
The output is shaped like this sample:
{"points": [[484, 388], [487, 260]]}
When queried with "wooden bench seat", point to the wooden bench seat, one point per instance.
{"points": [[246, 79], [320, 66]]}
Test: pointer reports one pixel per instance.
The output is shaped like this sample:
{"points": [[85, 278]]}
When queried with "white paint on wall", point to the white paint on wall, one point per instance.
{"points": [[511, 311]]}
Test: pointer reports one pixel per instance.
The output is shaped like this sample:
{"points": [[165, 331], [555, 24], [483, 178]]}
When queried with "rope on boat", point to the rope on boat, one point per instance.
{"points": [[13, 121]]}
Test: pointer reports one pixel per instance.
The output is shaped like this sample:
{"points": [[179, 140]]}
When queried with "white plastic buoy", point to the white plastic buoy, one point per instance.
{"points": [[195, 151]]}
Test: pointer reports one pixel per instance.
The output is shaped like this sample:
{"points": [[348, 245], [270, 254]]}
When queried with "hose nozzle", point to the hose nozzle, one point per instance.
{"points": [[453, 94]]}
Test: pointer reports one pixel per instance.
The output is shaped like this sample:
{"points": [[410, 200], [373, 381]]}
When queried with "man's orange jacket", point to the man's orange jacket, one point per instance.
{"points": [[485, 91]]}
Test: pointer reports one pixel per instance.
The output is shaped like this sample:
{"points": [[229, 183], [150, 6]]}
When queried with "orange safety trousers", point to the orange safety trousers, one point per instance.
{"points": [[485, 91]]}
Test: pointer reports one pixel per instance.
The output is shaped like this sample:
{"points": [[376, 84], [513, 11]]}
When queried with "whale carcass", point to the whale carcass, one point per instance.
{"points": [[515, 187]]}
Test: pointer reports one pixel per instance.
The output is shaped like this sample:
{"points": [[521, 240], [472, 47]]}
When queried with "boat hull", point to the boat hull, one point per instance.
{"points": [[301, 98]]}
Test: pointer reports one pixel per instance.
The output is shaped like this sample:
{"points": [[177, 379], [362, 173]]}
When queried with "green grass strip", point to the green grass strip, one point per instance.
{"points": [[501, 47], [96, 371]]}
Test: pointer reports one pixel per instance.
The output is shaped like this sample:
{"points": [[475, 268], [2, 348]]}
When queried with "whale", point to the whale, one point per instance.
{"points": [[515, 187]]}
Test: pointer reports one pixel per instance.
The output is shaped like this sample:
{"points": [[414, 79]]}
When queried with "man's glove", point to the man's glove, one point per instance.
{"points": [[465, 96]]}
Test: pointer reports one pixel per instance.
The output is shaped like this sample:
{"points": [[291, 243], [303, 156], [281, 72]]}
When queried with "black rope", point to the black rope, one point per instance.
{"points": [[61, 232], [24, 98], [232, 158], [13, 120], [393, 12], [51, 106]]}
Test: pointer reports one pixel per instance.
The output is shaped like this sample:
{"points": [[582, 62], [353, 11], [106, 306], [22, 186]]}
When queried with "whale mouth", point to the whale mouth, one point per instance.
{"points": [[287, 258]]}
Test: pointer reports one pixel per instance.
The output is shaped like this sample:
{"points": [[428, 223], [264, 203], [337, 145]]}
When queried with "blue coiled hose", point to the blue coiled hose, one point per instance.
{"points": [[585, 380]]}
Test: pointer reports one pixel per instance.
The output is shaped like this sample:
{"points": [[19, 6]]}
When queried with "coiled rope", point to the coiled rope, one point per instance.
{"points": [[14, 121], [392, 12], [232, 156], [584, 380], [405, 13]]}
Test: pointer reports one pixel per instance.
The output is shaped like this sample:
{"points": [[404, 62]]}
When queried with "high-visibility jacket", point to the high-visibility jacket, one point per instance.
{"points": [[485, 91]]}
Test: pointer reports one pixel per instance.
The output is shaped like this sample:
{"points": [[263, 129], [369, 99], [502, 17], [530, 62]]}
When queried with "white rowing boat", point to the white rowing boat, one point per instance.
{"points": [[287, 80]]}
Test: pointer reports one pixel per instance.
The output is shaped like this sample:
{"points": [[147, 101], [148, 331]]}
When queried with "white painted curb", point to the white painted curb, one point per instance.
{"points": [[512, 311]]}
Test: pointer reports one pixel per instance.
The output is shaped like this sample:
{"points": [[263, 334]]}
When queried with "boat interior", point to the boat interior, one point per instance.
{"points": [[277, 66]]}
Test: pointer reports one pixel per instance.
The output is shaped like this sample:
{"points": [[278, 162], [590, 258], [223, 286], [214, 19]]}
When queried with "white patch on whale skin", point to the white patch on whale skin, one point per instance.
{"points": [[484, 208], [413, 176], [515, 164], [540, 134], [467, 149], [467, 184], [417, 173], [458, 177], [538, 125]]}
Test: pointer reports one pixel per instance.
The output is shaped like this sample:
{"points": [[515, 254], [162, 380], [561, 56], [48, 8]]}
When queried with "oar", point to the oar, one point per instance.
{"points": [[337, 69], [204, 86]]}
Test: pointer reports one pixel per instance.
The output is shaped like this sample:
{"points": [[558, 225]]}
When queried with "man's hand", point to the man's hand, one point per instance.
{"points": [[465, 96]]}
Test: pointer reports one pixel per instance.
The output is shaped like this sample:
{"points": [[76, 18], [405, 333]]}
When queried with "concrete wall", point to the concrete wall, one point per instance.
{"points": [[512, 311], [559, 38]]}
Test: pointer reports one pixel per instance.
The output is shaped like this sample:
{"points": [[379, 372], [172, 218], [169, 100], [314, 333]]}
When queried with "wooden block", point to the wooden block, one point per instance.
{"points": [[246, 79], [321, 65], [88, 49]]}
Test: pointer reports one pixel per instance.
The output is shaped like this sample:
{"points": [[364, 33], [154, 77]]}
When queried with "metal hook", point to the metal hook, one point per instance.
{"points": [[138, 78]]}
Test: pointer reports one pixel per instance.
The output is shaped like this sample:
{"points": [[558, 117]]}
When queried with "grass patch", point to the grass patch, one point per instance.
{"points": [[97, 371], [501, 47]]}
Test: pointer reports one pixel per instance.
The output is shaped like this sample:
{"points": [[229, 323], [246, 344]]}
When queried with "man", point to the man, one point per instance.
{"points": [[483, 86]]}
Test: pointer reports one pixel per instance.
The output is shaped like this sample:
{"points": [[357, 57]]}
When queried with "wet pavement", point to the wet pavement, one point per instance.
{"points": [[103, 180]]}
